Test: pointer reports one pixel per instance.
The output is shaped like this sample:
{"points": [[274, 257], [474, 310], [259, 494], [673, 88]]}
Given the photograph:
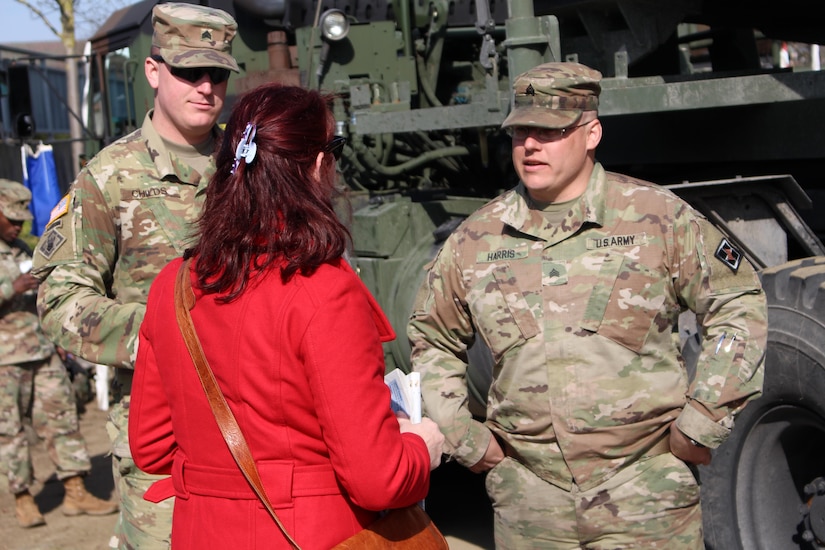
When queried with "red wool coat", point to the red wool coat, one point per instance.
{"points": [[301, 366]]}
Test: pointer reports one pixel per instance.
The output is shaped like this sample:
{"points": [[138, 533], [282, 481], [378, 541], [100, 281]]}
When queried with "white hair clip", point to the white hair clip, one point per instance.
{"points": [[247, 147]]}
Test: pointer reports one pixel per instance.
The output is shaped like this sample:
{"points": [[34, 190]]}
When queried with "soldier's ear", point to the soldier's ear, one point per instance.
{"points": [[152, 70], [594, 134]]}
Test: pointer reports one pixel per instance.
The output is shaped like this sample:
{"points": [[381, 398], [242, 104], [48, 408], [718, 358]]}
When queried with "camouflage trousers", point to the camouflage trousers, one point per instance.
{"points": [[653, 503], [141, 524], [39, 390]]}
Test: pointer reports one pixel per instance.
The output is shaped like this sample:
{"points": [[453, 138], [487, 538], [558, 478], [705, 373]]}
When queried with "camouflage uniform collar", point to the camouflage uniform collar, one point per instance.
{"points": [[167, 164], [518, 214], [594, 199]]}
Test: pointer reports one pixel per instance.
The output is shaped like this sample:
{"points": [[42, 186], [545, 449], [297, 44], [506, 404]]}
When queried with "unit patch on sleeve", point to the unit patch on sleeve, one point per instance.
{"points": [[51, 241], [728, 255]]}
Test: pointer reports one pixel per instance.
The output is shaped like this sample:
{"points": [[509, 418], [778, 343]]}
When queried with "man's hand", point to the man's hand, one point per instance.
{"points": [[682, 448], [492, 456], [24, 282]]}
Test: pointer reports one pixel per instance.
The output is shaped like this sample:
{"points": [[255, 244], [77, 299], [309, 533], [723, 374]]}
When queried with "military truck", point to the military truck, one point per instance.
{"points": [[695, 97]]}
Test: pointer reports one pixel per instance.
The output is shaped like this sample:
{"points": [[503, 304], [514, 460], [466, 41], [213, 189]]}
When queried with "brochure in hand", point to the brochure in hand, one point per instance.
{"points": [[406, 393], [405, 390]]}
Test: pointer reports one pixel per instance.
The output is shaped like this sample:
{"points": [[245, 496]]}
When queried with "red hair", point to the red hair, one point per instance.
{"points": [[272, 213]]}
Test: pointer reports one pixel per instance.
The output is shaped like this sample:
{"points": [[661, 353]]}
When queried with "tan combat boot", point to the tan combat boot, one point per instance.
{"points": [[79, 501], [28, 514]]}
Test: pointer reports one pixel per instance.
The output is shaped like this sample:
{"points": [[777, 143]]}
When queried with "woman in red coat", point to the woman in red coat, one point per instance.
{"points": [[294, 340]]}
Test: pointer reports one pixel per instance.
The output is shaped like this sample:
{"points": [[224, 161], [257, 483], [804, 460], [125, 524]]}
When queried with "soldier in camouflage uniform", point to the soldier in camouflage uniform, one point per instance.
{"points": [[575, 280], [33, 381], [126, 216]]}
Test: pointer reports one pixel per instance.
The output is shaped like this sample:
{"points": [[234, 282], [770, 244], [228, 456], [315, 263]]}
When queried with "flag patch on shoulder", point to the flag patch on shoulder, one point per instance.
{"points": [[728, 255], [60, 209]]}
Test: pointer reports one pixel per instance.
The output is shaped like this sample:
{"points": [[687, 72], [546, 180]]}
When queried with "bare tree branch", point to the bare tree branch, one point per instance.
{"points": [[35, 10], [78, 18]]}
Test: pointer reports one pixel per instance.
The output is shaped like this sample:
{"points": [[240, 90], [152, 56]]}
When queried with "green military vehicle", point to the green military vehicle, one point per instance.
{"points": [[695, 97]]}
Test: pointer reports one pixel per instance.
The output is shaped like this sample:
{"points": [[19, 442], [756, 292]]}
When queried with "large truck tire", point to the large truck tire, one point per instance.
{"points": [[756, 491]]}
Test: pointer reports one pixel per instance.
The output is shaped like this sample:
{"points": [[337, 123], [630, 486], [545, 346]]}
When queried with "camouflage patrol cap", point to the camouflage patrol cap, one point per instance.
{"points": [[14, 200], [189, 35], [554, 95]]}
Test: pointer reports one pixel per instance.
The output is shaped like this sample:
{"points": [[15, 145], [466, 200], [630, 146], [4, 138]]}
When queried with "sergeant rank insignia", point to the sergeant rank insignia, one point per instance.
{"points": [[728, 255]]}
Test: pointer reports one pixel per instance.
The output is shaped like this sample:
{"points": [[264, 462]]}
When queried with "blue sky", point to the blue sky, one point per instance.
{"points": [[20, 25]]}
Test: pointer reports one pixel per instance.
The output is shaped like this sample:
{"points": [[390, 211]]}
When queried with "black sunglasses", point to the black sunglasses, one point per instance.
{"points": [[217, 75], [542, 134], [336, 146]]}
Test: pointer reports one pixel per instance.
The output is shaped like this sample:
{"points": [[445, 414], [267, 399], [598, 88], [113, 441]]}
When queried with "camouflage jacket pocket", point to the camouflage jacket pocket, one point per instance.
{"points": [[628, 301], [503, 310], [158, 219]]}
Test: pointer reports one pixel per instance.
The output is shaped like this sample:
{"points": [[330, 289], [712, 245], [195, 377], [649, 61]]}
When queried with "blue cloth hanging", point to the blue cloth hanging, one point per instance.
{"points": [[40, 176]]}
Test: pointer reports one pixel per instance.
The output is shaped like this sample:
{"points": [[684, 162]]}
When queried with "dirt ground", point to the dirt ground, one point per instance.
{"points": [[457, 502], [62, 532]]}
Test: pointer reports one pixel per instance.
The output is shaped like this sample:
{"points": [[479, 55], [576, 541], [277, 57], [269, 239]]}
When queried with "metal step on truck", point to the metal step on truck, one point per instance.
{"points": [[721, 101]]}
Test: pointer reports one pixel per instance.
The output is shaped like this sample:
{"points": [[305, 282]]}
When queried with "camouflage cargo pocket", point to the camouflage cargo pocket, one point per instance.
{"points": [[628, 301]]}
